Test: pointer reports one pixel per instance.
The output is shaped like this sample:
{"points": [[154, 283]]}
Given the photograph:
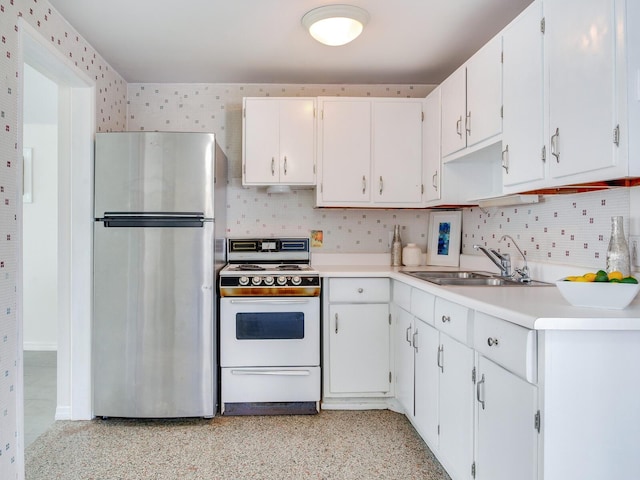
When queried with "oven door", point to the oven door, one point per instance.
{"points": [[269, 331]]}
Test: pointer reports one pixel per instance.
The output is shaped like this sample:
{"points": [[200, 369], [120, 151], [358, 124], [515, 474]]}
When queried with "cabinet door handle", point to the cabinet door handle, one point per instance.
{"points": [[285, 165], [492, 342], [364, 184], [440, 359], [360, 290], [336, 322], [434, 181], [480, 400], [446, 318], [414, 340], [555, 145], [467, 123], [459, 126], [505, 159], [407, 334], [273, 166], [381, 185]]}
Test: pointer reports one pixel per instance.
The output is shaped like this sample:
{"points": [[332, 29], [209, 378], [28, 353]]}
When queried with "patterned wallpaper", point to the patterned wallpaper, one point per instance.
{"points": [[110, 113], [252, 211], [570, 229]]}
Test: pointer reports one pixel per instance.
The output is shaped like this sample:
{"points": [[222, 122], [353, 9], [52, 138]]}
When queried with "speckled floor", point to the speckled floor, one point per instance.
{"points": [[333, 445]]}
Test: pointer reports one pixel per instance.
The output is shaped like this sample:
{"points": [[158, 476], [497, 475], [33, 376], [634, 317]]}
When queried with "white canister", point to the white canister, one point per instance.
{"points": [[411, 255]]}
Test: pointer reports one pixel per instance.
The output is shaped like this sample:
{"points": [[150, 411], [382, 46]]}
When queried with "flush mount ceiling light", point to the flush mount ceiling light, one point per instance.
{"points": [[335, 24]]}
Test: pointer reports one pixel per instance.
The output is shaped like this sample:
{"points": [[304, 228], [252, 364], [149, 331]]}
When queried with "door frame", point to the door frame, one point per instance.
{"points": [[77, 126]]}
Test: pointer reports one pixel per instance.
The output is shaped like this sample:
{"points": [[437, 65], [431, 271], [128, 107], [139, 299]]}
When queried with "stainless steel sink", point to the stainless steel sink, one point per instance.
{"points": [[468, 279]]}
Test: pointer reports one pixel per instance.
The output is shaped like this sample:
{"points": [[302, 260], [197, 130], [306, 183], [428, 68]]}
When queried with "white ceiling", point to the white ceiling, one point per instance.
{"points": [[263, 41]]}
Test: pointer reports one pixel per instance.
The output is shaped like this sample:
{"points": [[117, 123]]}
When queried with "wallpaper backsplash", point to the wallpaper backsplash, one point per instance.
{"points": [[571, 229]]}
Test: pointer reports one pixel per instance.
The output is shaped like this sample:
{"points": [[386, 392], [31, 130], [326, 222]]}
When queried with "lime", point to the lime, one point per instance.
{"points": [[601, 276], [628, 280]]}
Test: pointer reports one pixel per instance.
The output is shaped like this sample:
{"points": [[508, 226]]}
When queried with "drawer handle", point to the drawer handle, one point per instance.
{"points": [[440, 358], [492, 342], [481, 401], [360, 290], [446, 318], [336, 323]]}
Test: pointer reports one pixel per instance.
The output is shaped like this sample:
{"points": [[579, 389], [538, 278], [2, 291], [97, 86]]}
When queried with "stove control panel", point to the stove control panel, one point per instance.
{"points": [[269, 285]]}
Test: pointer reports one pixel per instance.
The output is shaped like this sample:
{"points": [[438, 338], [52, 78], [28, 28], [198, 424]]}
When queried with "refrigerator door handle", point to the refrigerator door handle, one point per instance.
{"points": [[133, 221]]}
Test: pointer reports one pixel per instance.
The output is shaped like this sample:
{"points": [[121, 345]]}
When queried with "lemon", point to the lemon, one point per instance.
{"points": [[590, 277], [580, 279], [571, 278], [615, 275]]}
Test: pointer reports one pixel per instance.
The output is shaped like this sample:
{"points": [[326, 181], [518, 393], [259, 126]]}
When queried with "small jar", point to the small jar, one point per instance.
{"points": [[411, 255]]}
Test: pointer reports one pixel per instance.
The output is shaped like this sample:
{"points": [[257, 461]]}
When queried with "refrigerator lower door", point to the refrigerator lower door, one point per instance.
{"points": [[153, 327]]}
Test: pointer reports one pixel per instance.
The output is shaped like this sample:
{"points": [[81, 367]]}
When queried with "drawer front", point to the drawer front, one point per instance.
{"points": [[422, 304], [509, 345], [402, 295], [364, 290], [452, 319]]}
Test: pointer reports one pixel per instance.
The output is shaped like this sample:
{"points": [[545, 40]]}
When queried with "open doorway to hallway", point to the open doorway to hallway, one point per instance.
{"points": [[40, 251]]}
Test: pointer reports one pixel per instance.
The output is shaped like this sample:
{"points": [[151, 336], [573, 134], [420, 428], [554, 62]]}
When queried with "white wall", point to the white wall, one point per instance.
{"points": [[40, 220]]}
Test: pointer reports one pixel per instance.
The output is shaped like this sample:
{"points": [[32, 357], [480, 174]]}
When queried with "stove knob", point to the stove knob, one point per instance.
{"points": [[296, 280], [282, 280], [268, 280], [256, 280], [243, 280]]}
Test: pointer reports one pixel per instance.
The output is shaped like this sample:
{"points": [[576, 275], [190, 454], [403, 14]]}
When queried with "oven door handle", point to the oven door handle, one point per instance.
{"points": [[283, 373], [270, 301]]}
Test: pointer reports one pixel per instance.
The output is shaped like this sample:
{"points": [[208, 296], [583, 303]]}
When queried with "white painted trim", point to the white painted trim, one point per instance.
{"points": [[77, 131]]}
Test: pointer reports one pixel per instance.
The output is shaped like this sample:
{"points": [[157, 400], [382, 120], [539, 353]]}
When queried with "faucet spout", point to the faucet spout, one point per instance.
{"points": [[524, 271], [501, 260]]}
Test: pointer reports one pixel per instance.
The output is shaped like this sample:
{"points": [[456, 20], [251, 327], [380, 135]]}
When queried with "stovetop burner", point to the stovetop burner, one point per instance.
{"points": [[250, 267], [289, 266]]}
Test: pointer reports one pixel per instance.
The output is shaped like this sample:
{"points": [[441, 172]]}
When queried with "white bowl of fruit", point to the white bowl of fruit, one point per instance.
{"points": [[599, 289]]}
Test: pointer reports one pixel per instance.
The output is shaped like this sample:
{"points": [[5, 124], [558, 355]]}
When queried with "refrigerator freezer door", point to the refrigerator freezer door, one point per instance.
{"points": [[153, 328], [154, 172]]}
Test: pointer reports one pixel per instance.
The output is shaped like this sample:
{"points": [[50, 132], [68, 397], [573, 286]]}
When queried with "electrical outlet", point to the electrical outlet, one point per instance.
{"points": [[634, 250]]}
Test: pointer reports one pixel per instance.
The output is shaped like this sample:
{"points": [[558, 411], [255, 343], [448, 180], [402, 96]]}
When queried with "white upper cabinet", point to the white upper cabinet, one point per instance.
{"points": [[369, 152], [431, 147], [580, 52], [472, 101], [523, 140], [279, 141]]}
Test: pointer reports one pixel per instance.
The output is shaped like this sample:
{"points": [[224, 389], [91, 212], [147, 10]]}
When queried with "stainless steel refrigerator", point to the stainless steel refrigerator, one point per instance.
{"points": [[158, 243]]}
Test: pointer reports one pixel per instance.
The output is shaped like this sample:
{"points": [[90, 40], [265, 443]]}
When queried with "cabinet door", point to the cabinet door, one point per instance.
{"points": [[297, 141], [345, 153], [397, 152], [456, 407], [403, 352], [484, 93], [359, 358], [431, 146], [523, 99], [454, 100], [580, 54], [506, 437], [427, 372], [261, 139]]}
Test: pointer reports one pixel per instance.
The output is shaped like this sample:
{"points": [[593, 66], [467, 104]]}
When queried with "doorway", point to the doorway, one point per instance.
{"points": [[73, 227]]}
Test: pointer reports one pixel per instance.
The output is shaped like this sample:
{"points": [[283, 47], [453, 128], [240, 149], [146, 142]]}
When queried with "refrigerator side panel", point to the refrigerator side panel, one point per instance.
{"points": [[154, 172], [153, 328], [220, 207]]}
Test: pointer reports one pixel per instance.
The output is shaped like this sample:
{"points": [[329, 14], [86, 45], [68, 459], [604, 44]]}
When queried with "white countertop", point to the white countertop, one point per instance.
{"points": [[541, 308]]}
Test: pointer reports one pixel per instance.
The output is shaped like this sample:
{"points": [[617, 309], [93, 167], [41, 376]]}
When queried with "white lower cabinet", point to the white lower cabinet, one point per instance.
{"points": [[506, 433], [427, 371], [404, 358], [455, 444], [357, 338]]}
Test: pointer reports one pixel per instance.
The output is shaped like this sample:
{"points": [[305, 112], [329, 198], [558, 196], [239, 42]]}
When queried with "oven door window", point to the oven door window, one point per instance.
{"points": [[270, 326]]}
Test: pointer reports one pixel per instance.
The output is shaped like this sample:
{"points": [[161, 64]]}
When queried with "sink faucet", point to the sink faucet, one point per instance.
{"points": [[501, 260], [524, 271]]}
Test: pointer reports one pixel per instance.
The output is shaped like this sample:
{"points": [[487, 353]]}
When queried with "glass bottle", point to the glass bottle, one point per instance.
{"points": [[618, 251], [396, 247]]}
